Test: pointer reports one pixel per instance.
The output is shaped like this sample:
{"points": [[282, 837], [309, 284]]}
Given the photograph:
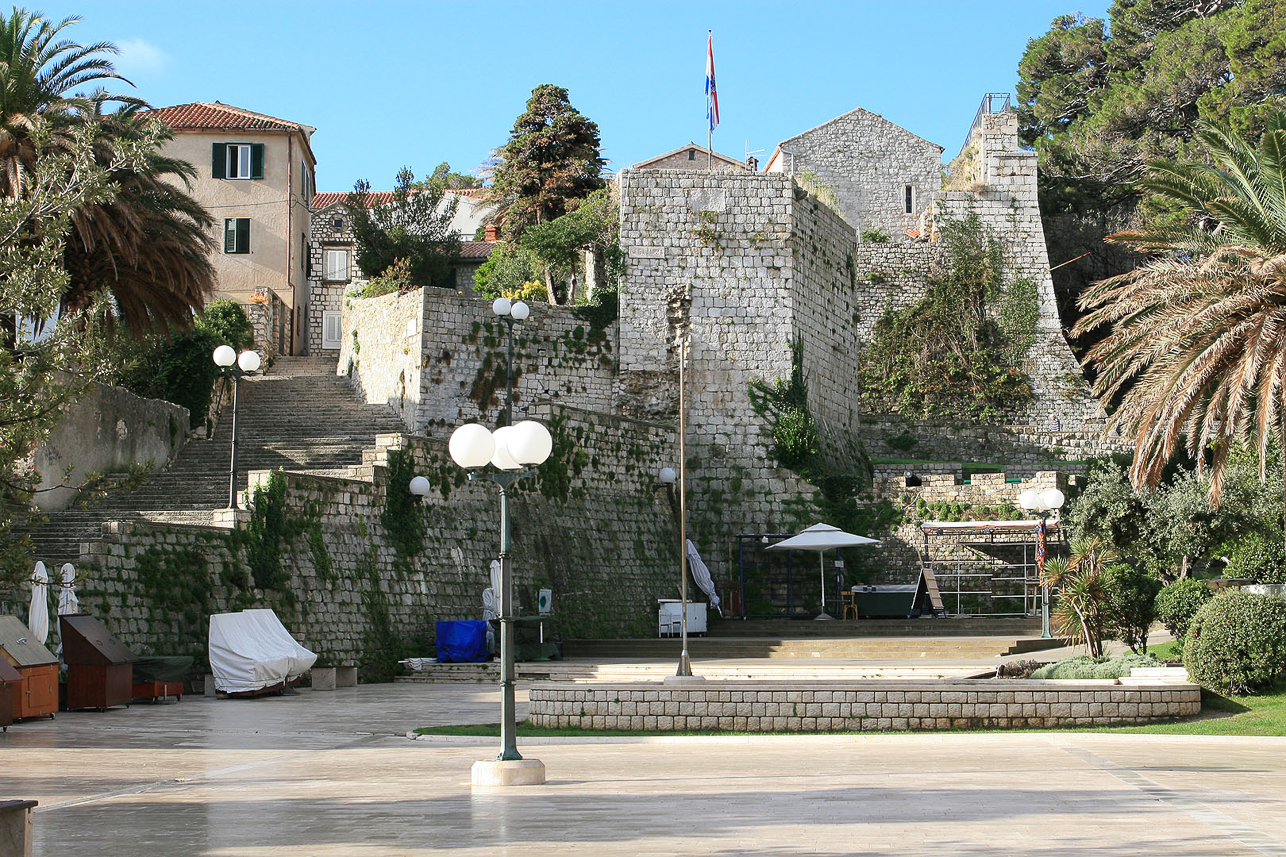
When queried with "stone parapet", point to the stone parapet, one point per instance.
{"points": [[859, 706]]}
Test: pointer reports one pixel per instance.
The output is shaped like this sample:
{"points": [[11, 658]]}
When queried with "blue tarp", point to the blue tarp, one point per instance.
{"points": [[463, 641]]}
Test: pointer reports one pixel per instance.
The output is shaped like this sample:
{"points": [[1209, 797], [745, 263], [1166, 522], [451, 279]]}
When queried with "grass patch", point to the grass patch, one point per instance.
{"points": [[1260, 715], [1165, 651]]}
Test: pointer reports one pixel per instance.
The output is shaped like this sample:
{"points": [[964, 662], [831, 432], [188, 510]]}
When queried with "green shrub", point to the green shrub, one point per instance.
{"points": [[903, 442], [1086, 667], [227, 322], [1257, 555], [875, 236], [1131, 605], [1236, 642], [1177, 603]]}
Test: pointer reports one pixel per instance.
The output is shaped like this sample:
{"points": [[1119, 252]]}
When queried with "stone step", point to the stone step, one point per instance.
{"points": [[714, 670], [957, 648]]}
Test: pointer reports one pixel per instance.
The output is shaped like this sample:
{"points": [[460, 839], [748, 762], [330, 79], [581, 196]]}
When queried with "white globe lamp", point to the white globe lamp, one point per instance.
{"points": [[471, 446], [519, 311], [419, 486], [501, 306], [530, 443], [502, 459], [224, 356], [249, 361]]}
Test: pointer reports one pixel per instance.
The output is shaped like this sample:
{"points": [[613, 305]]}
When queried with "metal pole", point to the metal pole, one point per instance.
{"points": [[509, 367], [685, 664], [1044, 584], [232, 467], [508, 728]]}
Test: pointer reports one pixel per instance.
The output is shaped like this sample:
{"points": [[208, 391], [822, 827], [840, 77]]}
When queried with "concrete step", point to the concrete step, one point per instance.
{"points": [[714, 670], [962, 626], [952, 648]]}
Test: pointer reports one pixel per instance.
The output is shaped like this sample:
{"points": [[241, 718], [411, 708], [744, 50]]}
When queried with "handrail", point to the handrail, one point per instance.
{"points": [[992, 102]]}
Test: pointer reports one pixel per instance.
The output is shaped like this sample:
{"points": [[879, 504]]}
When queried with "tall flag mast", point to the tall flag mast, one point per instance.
{"points": [[712, 96]]}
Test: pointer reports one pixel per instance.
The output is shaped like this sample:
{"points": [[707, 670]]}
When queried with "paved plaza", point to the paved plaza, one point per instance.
{"points": [[332, 773]]}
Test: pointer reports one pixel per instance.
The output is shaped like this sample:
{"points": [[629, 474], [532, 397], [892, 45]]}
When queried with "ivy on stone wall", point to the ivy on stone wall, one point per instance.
{"points": [[178, 584], [402, 518], [957, 351], [268, 531], [785, 405]]}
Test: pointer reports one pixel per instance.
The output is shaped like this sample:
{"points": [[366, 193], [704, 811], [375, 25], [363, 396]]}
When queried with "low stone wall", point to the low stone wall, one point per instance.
{"points": [[874, 706], [108, 430]]}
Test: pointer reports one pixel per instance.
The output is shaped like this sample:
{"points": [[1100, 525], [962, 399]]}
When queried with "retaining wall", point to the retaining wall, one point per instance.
{"points": [[350, 595], [883, 706]]}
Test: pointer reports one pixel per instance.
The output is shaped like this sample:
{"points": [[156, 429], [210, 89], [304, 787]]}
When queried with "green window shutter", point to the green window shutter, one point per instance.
{"points": [[243, 234], [230, 235], [219, 161], [256, 160]]}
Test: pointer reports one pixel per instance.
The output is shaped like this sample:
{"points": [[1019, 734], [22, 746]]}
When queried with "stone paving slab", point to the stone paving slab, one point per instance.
{"points": [[333, 774]]}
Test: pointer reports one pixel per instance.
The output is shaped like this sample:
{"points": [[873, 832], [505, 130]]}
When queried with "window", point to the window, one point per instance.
{"points": [[332, 329], [692, 154], [337, 223], [237, 161], [337, 265], [909, 193], [236, 235]]}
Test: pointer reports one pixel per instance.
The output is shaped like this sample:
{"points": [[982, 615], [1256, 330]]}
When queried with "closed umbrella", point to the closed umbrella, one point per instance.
{"points": [[821, 538], [68, 603], [38, 614], [701, 574]]}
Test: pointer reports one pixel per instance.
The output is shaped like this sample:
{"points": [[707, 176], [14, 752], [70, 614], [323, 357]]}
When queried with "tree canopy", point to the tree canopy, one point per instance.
{"points": [[414, 229], [551, 162], [1098, 99]]}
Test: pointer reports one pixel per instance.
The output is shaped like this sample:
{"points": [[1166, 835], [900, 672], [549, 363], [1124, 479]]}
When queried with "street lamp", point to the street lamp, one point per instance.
{"points": [[511, 451], [1043, 504], [510, 313], [246, 363]]}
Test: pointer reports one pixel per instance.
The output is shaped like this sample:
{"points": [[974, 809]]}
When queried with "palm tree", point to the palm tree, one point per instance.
{"points": [[36, 75], [1196, 357], [1081, 583], [149, 246]]}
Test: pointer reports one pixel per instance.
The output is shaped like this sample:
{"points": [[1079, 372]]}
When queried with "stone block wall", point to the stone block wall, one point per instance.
{"points": [[1005, 201], [107, 430], [350, 595], [823, 290], [267, 316], [712, 257], [558, 356], [868, 162], [875, 706], [381, 350]]}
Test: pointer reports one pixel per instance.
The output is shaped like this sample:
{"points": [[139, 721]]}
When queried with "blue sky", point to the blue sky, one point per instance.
{"points": [[397, 83]]}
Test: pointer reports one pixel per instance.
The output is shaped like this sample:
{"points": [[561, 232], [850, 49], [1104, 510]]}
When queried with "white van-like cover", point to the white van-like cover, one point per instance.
{"points": [[252, 650]]}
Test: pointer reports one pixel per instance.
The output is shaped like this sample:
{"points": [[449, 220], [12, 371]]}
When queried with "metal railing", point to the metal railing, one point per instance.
{"points": [[992, 102]]}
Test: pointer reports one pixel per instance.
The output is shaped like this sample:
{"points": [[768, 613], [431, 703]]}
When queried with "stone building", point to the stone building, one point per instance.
{"points": [[882, 176], [256, 175], [692, 157], [333, 267]]}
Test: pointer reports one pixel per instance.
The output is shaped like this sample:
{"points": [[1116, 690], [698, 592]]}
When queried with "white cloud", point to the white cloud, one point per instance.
{"points": [[141, 58]]}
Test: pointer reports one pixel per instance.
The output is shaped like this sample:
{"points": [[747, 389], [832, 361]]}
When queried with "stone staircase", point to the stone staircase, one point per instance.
{"points": [[298, 415]]}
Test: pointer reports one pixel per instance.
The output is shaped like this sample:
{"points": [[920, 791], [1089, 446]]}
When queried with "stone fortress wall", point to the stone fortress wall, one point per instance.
{"points": [[742, 265]]}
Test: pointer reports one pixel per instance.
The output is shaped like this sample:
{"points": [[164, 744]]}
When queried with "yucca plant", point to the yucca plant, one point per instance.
{"points": [[1081, 583], [1196, 356]]}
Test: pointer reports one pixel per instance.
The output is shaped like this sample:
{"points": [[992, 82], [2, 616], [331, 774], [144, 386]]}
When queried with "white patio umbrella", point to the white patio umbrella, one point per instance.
{"points": [[38, 614], [821, 538], [68, 603]]}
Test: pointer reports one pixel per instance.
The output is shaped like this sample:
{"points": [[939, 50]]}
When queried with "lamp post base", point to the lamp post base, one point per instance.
{"points": [[515, 772]]}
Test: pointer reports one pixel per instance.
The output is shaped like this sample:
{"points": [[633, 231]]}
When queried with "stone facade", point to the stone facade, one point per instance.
{"points": [[692, 157], [868, 163], [270, 320], [349, 592], [331, 230], [875, 706]]}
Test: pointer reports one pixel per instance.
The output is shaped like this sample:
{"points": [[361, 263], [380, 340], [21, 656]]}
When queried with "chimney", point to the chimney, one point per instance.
{"points": [[752, 163], [492, 232]]}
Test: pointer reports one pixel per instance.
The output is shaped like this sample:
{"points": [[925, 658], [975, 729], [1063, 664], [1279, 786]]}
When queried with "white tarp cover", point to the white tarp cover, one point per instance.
{"points": [[252, 650], [701, 574]]}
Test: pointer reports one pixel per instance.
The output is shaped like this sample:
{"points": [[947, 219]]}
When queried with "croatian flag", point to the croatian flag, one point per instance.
{"points": [[712, 96]]}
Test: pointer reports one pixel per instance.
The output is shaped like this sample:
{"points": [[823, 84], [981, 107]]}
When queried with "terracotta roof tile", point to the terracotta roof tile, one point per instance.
{"points": [[220, 117], [329, 198], [476, 249]]}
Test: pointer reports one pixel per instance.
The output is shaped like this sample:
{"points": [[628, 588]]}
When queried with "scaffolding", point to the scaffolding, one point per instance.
{"points": [[986, 567]]}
